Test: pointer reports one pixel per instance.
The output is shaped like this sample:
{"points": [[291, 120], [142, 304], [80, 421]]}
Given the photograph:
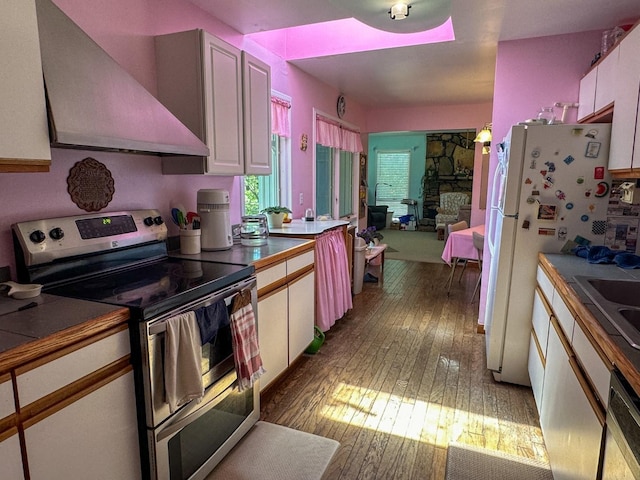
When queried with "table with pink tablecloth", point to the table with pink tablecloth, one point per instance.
{"points": [[460, 244]]}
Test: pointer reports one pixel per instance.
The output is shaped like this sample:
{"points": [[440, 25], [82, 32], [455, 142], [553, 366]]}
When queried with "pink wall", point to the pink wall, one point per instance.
{"points": [[531, 74]]}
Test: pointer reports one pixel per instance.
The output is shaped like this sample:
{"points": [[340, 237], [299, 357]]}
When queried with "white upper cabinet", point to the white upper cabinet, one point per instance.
{"points": [[24, 141], [257, 115], [587, 97], [606, 79], [223, 96], [625, 143]]}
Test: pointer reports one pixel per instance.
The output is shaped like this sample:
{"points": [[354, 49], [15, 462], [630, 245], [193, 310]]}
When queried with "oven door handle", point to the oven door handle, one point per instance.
{"points": [[208, 401], [159, 325]]}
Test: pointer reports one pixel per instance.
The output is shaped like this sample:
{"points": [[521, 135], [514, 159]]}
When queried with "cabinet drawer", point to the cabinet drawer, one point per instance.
{"points": [[271, 275], [545, 284], [34, 383], [592, 364], [564, 316], [296, 263], [7, 405]]}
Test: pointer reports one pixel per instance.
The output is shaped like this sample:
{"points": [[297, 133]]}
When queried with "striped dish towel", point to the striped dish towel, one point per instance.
{"points": [[244, 335]]}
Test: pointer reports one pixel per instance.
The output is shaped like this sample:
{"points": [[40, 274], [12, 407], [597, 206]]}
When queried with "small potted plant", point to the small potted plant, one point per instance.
{"points": [[275, 215], [370, 235]]}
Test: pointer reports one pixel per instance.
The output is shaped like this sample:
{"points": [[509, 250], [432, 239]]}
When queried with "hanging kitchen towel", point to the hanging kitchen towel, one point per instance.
{"points": [[182, 361], [246, 352], [210, 319]]}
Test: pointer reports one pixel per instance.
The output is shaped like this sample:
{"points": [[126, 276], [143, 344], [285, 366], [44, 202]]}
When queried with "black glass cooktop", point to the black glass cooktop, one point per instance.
{"points": [[154, 288]]}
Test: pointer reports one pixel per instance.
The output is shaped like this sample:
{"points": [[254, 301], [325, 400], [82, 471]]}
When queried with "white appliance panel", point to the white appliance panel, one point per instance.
{"points": [[547, 166]]}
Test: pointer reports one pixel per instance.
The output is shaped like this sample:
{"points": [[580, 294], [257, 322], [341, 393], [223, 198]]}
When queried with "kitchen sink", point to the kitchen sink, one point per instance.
{"points": [[619, 301], [624, 292]]}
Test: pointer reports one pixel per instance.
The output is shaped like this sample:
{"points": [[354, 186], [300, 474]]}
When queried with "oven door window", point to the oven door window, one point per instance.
{"points": [[197, 442], [217, 357]]}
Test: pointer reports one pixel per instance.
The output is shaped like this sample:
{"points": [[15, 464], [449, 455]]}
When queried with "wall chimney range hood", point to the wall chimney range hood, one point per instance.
{"points": [[94, 104]]}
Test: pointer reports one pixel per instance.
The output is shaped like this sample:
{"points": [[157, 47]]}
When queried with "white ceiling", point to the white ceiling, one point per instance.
{"points": [[459, 72]]}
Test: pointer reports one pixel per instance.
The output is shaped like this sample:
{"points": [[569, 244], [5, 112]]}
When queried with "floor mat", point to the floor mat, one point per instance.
{"points": [[274, 452], [465, 462]]}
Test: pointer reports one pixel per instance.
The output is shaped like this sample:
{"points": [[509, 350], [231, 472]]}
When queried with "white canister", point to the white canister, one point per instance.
{"points": [[213, 209]]}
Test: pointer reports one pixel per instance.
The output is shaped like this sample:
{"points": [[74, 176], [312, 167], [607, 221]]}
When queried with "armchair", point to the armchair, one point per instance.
{"points": [[377, 216], [450, 204]]}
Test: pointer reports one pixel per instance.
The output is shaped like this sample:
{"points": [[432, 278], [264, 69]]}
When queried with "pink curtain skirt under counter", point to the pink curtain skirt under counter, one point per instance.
{"points": [[333, 285]]}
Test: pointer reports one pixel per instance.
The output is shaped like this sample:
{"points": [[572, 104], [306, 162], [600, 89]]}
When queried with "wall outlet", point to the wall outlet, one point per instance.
{"points": [[301, 199]]}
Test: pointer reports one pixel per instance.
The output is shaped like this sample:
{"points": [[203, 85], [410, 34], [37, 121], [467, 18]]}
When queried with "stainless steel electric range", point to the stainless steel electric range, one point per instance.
{"points": [[121, 258]]}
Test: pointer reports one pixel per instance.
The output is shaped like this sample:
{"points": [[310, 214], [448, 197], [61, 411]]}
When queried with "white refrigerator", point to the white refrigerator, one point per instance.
{"points": [[550, 192]]}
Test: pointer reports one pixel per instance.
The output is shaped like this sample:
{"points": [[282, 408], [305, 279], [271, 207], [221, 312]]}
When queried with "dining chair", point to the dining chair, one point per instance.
{"points": [[478, 243], [454, 227]]}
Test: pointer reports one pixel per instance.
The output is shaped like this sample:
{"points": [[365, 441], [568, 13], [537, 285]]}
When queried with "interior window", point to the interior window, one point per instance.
{"points": [[324, 180], [392, 184], [262, 191]]}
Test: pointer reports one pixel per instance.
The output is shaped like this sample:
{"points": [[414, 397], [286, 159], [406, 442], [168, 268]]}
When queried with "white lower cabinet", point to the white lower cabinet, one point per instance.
{"points": [[286, 312], [272, 330], [572, 429], [93, 437], [301, 314], [10, 458]]}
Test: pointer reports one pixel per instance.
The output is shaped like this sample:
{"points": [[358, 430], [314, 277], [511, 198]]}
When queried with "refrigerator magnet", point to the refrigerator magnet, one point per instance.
{"points": [[580, 180], [547, 232], [562, 233], [599, 227], [598, 173], [584, 218], [547, 212], [593, 150], [592, 133], [560, 195], [602, 189], [550, 166], [569, 206], [569, 160]]}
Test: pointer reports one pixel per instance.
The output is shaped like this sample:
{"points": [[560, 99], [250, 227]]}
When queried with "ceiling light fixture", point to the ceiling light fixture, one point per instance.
{"points": [[399, 11]]}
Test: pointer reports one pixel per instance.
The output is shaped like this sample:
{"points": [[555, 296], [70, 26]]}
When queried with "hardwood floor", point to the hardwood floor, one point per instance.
{"points": [[401, 376]]}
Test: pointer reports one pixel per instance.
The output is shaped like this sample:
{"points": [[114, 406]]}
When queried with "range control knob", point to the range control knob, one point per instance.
{"points": [[37, 236], [148, 221], [56, 233], [158, 220]]}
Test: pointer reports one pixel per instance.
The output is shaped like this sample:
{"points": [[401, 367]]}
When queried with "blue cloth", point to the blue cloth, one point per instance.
{"points": [[210, 319], [604, 255]]}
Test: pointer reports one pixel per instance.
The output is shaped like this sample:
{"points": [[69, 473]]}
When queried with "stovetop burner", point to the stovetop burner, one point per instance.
{"points": [[155, 288]]}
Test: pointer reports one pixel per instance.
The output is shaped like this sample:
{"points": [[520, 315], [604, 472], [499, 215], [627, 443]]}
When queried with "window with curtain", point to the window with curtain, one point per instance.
{"points": [[261, 191], [392, 184], [335, 173]]}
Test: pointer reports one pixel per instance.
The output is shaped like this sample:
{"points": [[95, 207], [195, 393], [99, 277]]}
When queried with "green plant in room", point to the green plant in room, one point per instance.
{"points": [[275, 210]]}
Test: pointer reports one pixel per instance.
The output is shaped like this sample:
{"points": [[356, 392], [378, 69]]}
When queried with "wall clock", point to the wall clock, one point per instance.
{"points": [[341, 106]]}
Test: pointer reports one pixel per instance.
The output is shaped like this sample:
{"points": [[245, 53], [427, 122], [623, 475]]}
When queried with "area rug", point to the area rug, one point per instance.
{"points": [[274, 452], [412, 245], [465, 462]]}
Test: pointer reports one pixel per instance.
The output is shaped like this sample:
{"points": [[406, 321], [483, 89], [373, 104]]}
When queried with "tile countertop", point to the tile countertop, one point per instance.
{"points": [[275, 249], [54, 323], [301, 227], [562, 269]]}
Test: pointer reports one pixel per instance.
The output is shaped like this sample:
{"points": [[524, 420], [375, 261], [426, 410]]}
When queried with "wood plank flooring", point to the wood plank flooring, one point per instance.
{"points": [[401, 376]]}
